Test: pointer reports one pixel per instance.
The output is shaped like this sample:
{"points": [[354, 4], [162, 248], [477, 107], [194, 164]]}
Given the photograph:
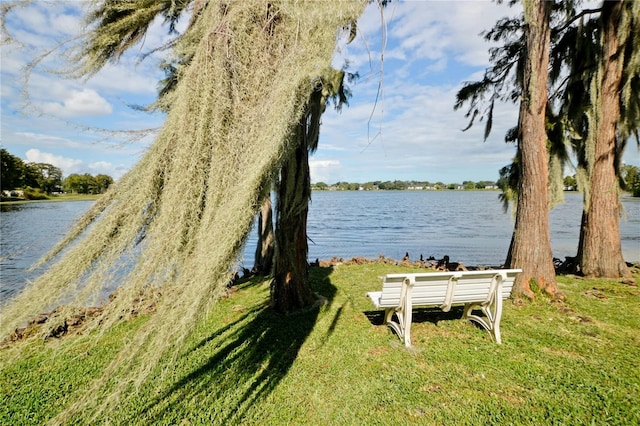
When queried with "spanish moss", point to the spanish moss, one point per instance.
{"points": [[184, 211]]}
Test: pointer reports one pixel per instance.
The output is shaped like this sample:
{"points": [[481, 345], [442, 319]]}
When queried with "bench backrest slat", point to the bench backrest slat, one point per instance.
{"points": [[430, 289]]}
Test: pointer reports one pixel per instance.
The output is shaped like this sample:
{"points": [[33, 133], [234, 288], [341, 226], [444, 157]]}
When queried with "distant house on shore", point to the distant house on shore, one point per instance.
{"points": [[14, 193]]}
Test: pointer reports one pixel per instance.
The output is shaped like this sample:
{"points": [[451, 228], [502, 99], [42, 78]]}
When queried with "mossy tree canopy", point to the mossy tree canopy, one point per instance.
{"points": [[173, 226]]}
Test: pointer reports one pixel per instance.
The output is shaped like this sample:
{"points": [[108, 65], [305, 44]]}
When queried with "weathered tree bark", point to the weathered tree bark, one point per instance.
{"points": [[290, 287], [600, 250], [530, 248], [265, 249]]}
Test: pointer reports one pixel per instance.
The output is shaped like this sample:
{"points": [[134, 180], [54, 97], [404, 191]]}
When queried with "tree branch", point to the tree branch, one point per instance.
{"points": [[575, 18]]}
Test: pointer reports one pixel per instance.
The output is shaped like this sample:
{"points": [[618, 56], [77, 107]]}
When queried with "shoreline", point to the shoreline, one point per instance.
{"points": [[439, 264], [53, 199], [75, 322], [429, 263]]}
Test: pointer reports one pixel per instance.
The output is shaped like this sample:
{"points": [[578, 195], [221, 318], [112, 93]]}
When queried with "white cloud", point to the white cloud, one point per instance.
{"points": [[72, 165], [32, 18], [42, 138], [127, 77], [432, 47], [426, 30], [89, 147], [420, 136], [101, 165], [67, 165], [322, 170], [79, 103], [65, 23], [106, 168], [324, 163], [48, 18], [12, 63], [38, 27], [412, 131]]}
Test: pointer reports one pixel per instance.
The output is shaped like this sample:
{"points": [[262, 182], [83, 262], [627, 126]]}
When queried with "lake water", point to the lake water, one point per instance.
{"points": [[470, 227]]}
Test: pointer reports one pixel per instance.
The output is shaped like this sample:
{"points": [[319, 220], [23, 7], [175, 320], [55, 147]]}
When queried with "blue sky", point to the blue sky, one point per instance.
{"points": [[411, 133]]}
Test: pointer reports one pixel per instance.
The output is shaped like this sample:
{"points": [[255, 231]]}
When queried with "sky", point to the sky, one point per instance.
{"points": [[400, 124]]}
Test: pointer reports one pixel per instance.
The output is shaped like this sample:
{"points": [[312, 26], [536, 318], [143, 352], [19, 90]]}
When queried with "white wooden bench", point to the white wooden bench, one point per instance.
{"points": [[476, 290]]}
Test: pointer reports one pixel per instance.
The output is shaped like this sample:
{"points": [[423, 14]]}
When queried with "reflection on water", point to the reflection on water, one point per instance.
{"points": [[470, 227]]}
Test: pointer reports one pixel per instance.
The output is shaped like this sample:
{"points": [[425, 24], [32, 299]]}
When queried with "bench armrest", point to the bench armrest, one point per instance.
{"points": [[375, 297]]}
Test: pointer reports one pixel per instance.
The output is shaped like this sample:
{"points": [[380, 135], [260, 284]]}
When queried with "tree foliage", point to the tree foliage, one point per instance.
{"points": [[118, 25], [631, 179], [12, 170], [46, 176], [19, 174], [87, 184]]}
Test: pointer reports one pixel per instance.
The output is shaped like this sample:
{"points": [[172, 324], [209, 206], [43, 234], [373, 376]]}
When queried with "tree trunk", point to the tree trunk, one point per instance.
{"points": [[290, 287], [530, 248], [263, 259], [601, 252]]}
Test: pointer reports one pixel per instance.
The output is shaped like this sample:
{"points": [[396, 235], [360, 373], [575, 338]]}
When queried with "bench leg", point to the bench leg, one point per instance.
{"points": [[492, 313], [395, 326], [407, 327], [403, 326]]}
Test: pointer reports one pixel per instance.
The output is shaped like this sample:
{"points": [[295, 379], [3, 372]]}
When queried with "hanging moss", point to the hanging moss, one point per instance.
{"points": [[174, 225], [629, 99]]}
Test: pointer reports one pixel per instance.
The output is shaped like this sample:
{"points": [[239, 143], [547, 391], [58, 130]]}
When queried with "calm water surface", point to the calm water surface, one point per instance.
{"points": [[27, 232], [470, 227]]}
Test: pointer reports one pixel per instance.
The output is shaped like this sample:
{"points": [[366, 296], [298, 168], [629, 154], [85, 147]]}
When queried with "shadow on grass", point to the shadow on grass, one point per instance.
{"points": [[239, 365], [420, 315]]}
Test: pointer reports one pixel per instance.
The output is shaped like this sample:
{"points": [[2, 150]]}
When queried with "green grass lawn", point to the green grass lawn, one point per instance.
{"points": [[567, 363]]}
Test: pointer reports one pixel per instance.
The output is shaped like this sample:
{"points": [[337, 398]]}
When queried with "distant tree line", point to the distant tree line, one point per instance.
{"points": [[16, 174], [36, 180], [401, 185], [630, 181], [86, 183]]}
